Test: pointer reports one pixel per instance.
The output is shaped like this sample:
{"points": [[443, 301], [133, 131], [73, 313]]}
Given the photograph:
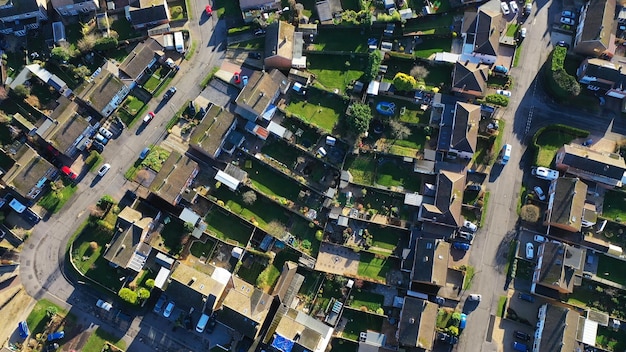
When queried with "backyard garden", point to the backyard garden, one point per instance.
{"points": [[371, 170], [335, 71], [320, 108], [374, 267], [614, 207], [368, 301], [359, 321], [601, 297], [227, 227]]}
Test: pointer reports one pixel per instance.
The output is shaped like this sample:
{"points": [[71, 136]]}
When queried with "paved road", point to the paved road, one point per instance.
{"points": [[43, 255]]}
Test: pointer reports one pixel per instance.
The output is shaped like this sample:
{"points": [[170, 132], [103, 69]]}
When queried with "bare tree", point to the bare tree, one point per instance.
{"points": [[87, 43], [530, 213], [276, 229], [419, 72], [399, 130], [249, 197]]}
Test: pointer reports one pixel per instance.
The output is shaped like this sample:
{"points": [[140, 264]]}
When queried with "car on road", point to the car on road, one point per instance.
{"points": [[539, 192], [170, 93], [526, 297], [506, 93], [567, 21], [568, 14], [520, 335], [563, 44], [544, 173], [461, 246], [56, 336], [208, 10], [470, 225], [68, 172], [513, 6], [159, 304], [22, 329], [31, 216], [475, 297], [505, 8], [106, 133], [540, 239], [148, 117], [522, 33], [530, 250], [97, 146], [463, 321], [144, 153], [104, 169], [237, 77], [168, 309]]}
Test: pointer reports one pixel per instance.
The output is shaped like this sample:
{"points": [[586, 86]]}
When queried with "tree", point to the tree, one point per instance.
{"points": [[81, 71], [319, 235], [373, 64], [188, 226], [306, 244], [128, 295], [456, 317], [87, 43], [51, 311], [530, 213], [60, 53], [359, 117], [150, 283], [404, 82], [249, 197], [453, 330], [21, 91], [143, 293], [399, 130], [105, 43], [419, 72], [276, 229]]}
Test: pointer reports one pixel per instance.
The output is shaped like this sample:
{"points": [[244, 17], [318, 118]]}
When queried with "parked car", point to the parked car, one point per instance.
{"points": [[539, 192], [506, 93], [545, 174], [144, 153], [244, 80], [168, 309], [540, 239], [567, 21], [505, 8], [470, 225], [97, 146], [473, 187], [439, 300], [513, 6], [170, 93], [212, 323], [15, 204], [30, 216], [22, 329], [56, 335], [104, 305], [466, 236], [522, 335], [563, 44], [159, 304], [518, 346], [106, 133], [68, 172], [500, 69], [530, 250], [475, 297], [104, 169], [237, 77], [148, 118], [522, 33], [204, 319], [208, 9], [461, 246], [526, 297], [528, 8], [568, 14], [463, 321], [254, 55], [100, 138], [52, 347]]}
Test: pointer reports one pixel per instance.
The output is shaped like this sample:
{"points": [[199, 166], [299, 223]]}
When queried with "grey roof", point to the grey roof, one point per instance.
{"points": [[245, 308], [448, 200], [172, 179], [569, 199], [128, 237], [602, 70], [593, 162], [417, 323], [559, 330], [256, 4], [469, 77], [140, 57], [465, 132], [17, 7], [210, 133], [431, 261], [141, 16], [599, 21]]}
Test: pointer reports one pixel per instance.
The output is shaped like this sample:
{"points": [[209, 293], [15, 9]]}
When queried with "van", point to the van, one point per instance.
{"points": [[204, 319], [505, 154]]}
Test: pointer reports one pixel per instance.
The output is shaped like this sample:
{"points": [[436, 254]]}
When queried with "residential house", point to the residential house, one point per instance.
{"points": [[558, 328], [416, 327], [595, 34], [558, 264], [69, 8], [283, 47], [211, 134], [470, 78], [297, 331], [245, 308], [149, 15], [175, 176], [445, 208], [602, 76], [140, 61], [30, 173], [430, 265], [458, 133], [372, 341], [42, 74], [251, 9], [257, 98], [565, 204], [127, 249], [104, 93], [201, 290], [481, 31], [326, 9], [288, 284], [18, 16], [605, 169]]}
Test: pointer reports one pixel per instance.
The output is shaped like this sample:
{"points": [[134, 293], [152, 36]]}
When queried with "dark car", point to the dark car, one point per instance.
{"points": [[56, 335], [211, 324], [52, 347], [259, 32], [22, 328], [522, 335], [170, 93], [254, 55], [31, 216], [97, 146], [473, 187], [159, 304], [461, 246], [526, 297]]}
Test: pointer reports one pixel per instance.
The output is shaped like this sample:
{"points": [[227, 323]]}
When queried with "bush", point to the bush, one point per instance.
{"points": [[530, 213], [375, 58], [105, 43], [143, 293], [561, 83], [128, 295], [497, 99], [558, 58], [150, 283]]}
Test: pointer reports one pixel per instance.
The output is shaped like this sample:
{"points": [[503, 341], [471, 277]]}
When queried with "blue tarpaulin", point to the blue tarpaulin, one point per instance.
{"points": [[282, 343]]}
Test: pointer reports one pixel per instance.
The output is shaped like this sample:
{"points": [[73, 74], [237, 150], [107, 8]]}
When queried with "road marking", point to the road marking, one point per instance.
{"points": [[531, 111]]}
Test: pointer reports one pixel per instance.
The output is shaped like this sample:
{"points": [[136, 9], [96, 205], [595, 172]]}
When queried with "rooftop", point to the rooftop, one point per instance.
{"points": [[559, 264], [212, 130], [101, 90], [64, 134], [16, 7], [173, 177], [470, 78], [248, 307], [201, 281], [417, 323], [567, 205], [279, 40], [448, 200], [140, 57], [29, 170], [559, 330], [261, 89], [290, 323], [431, 261], [131, 229], [591, 162], [599, 24], [465, 127]]}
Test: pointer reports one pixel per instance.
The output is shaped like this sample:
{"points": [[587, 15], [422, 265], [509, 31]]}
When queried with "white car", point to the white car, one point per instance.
{"points": [[513, 6], [545, 174], [530, 250], [539, 193], [470, 225], [474, 297], [568, 21], [104, 305], [540, 239], [168, 309], [506, 93], [106, 133], [505, 8], [522, 32], [104, 169], [568, 14]]}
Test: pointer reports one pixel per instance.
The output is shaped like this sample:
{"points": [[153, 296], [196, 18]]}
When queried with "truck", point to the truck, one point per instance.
{"points": [[179, 42]]}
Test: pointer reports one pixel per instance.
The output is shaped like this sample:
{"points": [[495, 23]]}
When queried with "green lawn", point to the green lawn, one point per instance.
{"points": [[351, 40], [281, 152], [252, 268], [501, 305], [362, 168], [614, 205], [393, 174], [511, 29], [252, 44], [98, 339], [202, 249], [272, 182], [374, 268], [431, 46], [386, 237], [430, 25], [549, 142], [410, 146], [37, 319], [369, 300], [132, 104], [227, 227], [336, 71], [610, 339], [343, 345], [53, 201], [360, 321], [262, 211], [156, 158], [152, 83], [614, 268], [412, 112], [319, 108]]}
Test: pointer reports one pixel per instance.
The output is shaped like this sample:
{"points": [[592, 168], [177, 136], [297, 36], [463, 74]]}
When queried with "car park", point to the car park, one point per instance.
{"points": [[470, 225], [461, 246], [168, 309], [463, 322], [530, 250], [567, 21], [56, 336], [513, 6], [106, 133], [68, 172], [521, 335], [540, 239], [475, 297], [539, 192], [505, 8], [104, 305], [545, 174], [170, 93], [144, 153], [526, 297], [100, 138], [97, 146], [159, 304], [148, 117], [506, 93], [104, 169]]}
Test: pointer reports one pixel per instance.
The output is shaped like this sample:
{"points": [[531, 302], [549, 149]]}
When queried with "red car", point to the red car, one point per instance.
{"points": [[68, 172], [237, 78], [208, 10], [148, 117]]}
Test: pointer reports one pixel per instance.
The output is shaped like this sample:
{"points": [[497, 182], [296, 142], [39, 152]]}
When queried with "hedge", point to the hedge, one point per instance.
{"points": [[497, 99], [560, 83]]}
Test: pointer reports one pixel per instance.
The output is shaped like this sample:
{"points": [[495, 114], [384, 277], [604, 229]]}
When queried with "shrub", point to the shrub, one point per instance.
{"points": [[150, 283], [128, 295], [105, 43], [558, 58], [143, 293], [497, 99], [530, 213]]}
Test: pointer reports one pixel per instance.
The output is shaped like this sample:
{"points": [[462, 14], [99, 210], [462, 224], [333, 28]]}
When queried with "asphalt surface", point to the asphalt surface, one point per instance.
{"points": [[42, 258]]}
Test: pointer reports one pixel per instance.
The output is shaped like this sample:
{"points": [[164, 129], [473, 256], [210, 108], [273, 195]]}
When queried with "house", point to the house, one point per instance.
{"points": [[430, 265], [250, 9], [292, 330], [201, 290], [595, 35], [30, 173], [18, 16], [606, 169], [69, 8], [104, 93], [140, 60], [42, 74], [416, 327], [458, 133], [127, 249], [288, 284], [557, 330], [283, 47], [176, 174], [565, 204], [470, 78], [446, 207], [326, 9], [557, 267], [245, 308], [481, 31], [150, 15], [372, 341], [602, 76], [257, 98], [212, 132]]}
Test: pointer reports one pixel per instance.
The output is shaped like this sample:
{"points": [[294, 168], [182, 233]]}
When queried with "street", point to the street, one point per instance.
{"points": [[43, 256]]}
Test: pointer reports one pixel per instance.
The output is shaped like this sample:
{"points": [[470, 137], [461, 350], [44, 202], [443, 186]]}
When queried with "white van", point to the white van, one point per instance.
{"points": [[204, 319], [505, 154]]}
